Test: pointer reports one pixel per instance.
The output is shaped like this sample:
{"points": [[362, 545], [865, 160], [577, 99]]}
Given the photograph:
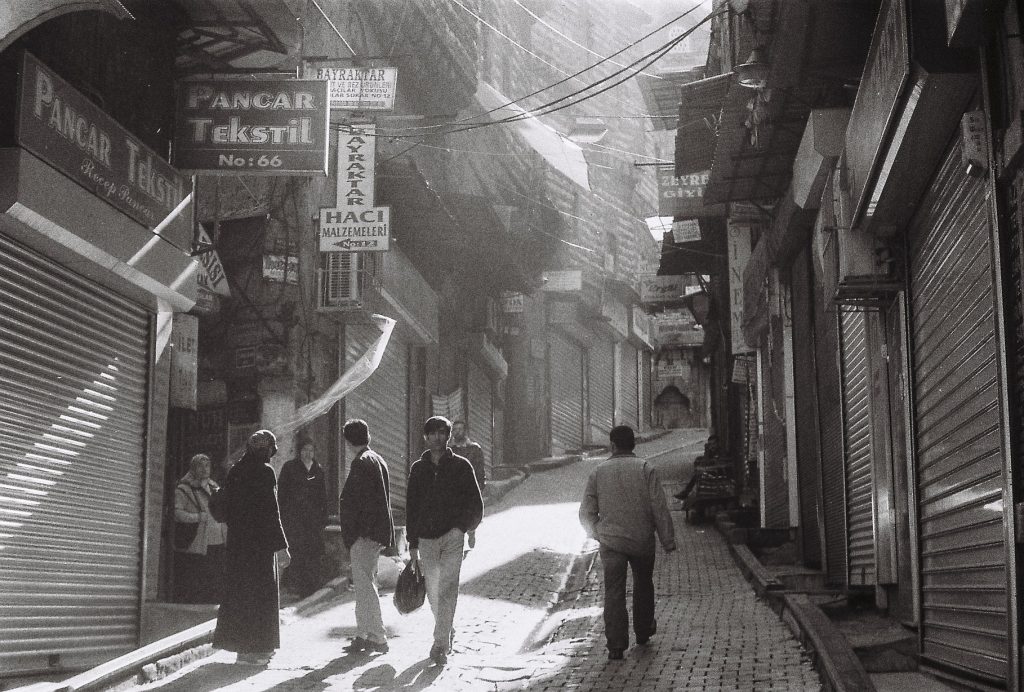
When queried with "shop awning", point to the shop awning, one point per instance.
{"points": [[700, 105], [230, 35], [661, 95], [562, 154]]}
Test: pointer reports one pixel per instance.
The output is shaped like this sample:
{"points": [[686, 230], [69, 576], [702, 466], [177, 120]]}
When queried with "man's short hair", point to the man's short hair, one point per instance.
{"points": [[356, 432], [437, 423], [622, 437]]}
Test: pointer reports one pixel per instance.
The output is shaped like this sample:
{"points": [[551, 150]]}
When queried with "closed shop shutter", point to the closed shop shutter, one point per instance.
{"points": [[481, 414], [776, 490], [602, 389], [857, 450], [630, 385], [73, 371], [646, 395], [805, 384], [964, 619], [383, 402], [566, 395]]}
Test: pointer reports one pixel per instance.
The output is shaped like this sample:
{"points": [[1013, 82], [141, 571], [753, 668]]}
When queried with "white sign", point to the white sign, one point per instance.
{"points": [[512, 302], [281, 268], [184, 361], [357, 88], [686, 231], [739, 255], [659, 289], [563, 281], [355, 224], [212, 276]]}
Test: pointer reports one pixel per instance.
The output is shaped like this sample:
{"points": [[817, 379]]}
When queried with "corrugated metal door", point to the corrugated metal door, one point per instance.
{"points": [[566, 395], [857, 450], [383, 402], [73, 371], [646, 395], [481, 413], [964, 599], [630, 386], [776, 487], [602, 388]]}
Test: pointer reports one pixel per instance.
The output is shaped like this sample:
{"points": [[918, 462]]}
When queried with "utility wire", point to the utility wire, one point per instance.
{"points": [[317, 5]]}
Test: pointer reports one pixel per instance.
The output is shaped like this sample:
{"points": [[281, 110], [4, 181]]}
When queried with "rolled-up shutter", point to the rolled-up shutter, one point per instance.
{"points": [[857, 450], [806, 424], [383, 402], [602, 388], [73, 371], [566, 395], [630, 385], [959, 459], [481, 413]]}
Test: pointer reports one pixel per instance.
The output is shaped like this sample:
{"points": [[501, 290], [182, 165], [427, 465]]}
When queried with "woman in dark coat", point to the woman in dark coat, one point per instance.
{"points": [[247, 621], [302, 494]]}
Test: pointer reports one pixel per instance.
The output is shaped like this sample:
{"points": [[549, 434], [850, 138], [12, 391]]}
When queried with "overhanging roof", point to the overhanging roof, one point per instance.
{"points": [[700, 107], [226, 35], [662, 93]]}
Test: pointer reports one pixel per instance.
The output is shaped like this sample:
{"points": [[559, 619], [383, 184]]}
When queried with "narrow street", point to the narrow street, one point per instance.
{"points": [[713, 633]]}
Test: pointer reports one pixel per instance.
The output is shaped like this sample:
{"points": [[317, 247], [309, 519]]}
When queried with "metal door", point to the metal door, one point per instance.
{"points": [[566, 395], [481, 413], [602, 389], [630, 386]]}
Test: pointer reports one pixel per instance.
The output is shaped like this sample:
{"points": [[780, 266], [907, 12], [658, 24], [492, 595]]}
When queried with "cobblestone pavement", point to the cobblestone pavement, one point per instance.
{"points": [[713, 634]]}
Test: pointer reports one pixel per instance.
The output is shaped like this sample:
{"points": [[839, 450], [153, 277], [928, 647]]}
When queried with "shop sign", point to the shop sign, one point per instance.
{"points": [[281, 268], [739, 256], [212, 278], [68, 131], [255, 127], [679, 334], [565, 281], [684, 196], [886, 71], [184, 361], [355, 224], [512, 302], [669, 370], [356, 88], [975, 140], [743, 369], [641, 325], [686, 231], [661, 289]]}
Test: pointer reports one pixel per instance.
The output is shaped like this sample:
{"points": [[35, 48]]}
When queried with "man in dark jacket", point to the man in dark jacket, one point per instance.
{"points": [[443, 504], [367, 528], [302, 494]]}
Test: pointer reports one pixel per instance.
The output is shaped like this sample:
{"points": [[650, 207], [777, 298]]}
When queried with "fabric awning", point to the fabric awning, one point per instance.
{"points": [[661, 95], [700, 107], [562, 154]]}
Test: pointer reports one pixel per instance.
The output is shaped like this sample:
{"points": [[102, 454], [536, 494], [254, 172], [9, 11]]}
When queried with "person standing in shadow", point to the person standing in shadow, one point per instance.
{"points": [[302, 494]]}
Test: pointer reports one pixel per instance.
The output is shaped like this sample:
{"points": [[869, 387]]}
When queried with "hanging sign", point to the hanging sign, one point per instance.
{"points": [[255, 127], [355, 224], [184, 361], [356, 88], [739, 256], [281, 268], [684, 196]]}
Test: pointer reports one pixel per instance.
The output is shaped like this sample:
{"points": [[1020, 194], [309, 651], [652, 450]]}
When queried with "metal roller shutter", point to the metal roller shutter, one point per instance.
{"points": [[481, 413], [630, 386], [776, 489], [382, 401], [964, 599], [857, 435], [602, 389], [566, 395], [646, 395], [73, 371]]}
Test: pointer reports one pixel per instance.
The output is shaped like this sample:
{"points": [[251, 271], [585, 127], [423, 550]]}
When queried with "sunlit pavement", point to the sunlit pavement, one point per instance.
{"points": [[713, 634]]}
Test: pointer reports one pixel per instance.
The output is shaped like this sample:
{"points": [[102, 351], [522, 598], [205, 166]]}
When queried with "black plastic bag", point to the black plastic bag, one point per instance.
{"points": [[410, 591], [184, 533]]}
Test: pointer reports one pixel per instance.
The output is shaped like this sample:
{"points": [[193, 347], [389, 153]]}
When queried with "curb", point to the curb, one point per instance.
{"points": [[572, 582]]}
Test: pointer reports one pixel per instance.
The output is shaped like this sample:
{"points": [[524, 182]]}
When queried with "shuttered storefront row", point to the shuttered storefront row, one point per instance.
{"points": [[857, 449], [566, 368], [630, 385], [383, 402], [481, 413], [73, 372], [602, 389], [964, 598]]}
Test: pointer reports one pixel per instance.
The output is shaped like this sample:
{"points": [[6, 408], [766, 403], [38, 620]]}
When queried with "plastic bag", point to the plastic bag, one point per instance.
{"points": [[410, 591]]}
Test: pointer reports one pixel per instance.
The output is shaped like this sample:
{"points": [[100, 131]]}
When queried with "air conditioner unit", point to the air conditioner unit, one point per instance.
{"points": [[338, 281]]}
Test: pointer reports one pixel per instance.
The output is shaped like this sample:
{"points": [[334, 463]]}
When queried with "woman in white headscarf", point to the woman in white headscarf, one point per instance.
{"points": [[199, 564], [247, 621]]}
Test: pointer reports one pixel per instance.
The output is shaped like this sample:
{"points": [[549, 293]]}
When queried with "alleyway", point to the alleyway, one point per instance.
{"points": [[713, 634]]}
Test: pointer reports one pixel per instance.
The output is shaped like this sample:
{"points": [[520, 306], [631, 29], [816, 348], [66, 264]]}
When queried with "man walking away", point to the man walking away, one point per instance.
{"points": [[443, 504], [623, 507], [367, 528], [465, 447]]}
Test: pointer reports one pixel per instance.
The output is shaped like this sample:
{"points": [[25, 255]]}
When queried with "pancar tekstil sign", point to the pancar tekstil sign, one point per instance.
{"points": [[262, 127]]}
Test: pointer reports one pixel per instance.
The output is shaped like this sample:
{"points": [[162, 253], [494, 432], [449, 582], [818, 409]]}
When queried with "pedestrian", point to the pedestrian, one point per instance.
{"points": [[198, 566], [367, 529], [302, 494], [248, 621], [712, 453], [443, 504], [465, 447], [623, 507]]}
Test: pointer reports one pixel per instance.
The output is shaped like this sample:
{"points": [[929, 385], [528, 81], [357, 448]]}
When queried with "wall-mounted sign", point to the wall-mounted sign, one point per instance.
{"points": [[512, 302], [669, 370], [184, 361], [686, 231], [68, 131], [255, 127], [356, 88], [354, 224], [975, 139], [739, 255], [743, 368], [564, 281], [281, 268], [661, 289], [684, 196], [673, 333]]}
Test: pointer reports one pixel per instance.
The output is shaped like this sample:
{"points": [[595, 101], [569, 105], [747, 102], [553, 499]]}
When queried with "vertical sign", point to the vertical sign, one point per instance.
{"points": [[355, 224], [739, 255], [184, 361]]}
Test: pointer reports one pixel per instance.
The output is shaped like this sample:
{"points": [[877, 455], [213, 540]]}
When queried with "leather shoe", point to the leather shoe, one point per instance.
{"points": [[615, 654], [643, 640], [438, 655], [356, 645], [379, 647]]}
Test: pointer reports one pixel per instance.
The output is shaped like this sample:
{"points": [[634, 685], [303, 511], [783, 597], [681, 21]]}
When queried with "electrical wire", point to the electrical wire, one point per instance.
{"points": [[324, 14]]}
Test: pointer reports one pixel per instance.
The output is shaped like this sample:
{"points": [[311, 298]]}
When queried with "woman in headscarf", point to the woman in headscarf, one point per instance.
{"points": [[247, 621], [302, 494], [199, 566]]}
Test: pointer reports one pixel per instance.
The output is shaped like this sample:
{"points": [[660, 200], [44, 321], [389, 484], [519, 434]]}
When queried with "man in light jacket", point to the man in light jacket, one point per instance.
{"points": [[623, 507]]}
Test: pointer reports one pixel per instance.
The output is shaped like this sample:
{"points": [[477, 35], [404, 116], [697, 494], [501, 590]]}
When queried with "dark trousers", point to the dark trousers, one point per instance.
{"points": [[616, 619]]}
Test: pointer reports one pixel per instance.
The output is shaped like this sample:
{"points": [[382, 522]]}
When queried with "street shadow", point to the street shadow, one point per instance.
{"points": [[317, 679], [210, 677], [418, 676]]}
